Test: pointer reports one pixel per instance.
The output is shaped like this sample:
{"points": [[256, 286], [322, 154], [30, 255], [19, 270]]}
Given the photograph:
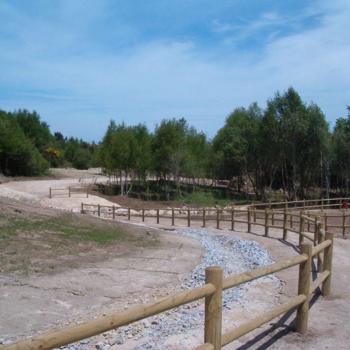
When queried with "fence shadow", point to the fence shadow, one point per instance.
{"points": [[286, 324]]}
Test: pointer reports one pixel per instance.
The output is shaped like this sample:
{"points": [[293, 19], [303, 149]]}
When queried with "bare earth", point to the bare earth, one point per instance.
{"points": [[112, 279]]}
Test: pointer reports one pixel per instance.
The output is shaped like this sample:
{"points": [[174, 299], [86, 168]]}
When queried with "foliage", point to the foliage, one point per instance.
{"points": [[18, 155]]}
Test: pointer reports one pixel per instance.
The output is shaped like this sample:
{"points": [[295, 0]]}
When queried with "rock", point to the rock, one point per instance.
{"points": [[146, 324], [101, 346], [119, 340]]}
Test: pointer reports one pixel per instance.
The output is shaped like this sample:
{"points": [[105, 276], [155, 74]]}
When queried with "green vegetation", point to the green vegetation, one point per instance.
{"points": [[204, 199], [63, 227], [28, 148]]}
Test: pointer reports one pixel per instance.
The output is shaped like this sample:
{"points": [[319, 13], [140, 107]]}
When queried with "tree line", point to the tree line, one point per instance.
{"points": [[287, 146], [27, 147]]}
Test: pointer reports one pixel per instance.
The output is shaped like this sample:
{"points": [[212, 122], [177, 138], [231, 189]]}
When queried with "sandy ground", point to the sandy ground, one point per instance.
{"points": [[158, 272], [37, 191]]}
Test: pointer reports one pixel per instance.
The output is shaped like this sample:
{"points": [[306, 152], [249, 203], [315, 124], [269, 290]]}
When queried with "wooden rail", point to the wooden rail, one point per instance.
{"points": [[212, 292], [67, 192]]}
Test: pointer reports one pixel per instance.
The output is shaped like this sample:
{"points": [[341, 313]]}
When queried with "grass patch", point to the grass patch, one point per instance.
{"points": [[63, 226], [204, 199]]}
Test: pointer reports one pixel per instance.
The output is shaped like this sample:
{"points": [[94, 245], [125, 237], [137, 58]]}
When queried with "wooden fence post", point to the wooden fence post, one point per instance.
{"points": [[232, 219], [143, 214], [213, 308], [157, 216], [320, 240], [68, 191], [82, 208], [304, 288], [129, 216], [266, 223], [188, 218], [316, 232], [249, 220], [172, 217], [327, 265], [98, 210], [50, 193], [272, 218], [326, 223], [301, 229], [87, 192], [285, 233], [343, 225], [217, 218], [204, 218], [254, 214], [322, 204], [113, 212]]}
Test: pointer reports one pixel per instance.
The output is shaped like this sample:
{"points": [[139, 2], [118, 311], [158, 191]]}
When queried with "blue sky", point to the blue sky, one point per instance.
{"points": [[80, 63]]}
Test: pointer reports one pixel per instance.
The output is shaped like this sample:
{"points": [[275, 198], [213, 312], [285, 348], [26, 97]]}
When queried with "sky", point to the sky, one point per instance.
{"points": [[81, 63]]}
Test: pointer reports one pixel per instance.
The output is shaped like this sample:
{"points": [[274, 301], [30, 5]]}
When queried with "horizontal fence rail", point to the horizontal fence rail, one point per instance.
{"points": [[306, 225], [68, 192]]}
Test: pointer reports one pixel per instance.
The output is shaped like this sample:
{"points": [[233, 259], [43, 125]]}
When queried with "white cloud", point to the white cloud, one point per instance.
{"points": [[79, 92]]}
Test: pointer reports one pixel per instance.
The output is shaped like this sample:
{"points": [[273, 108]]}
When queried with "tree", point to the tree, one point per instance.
{"points": [[18, 156], [168, 147]]}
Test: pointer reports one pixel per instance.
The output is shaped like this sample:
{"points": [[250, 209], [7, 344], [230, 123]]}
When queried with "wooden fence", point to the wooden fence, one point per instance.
{"points": [[320, 248], [211, 291], [287, 219], [68, 192]]}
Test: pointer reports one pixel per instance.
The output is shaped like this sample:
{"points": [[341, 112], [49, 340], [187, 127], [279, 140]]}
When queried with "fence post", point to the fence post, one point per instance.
{"points": [[213, 308], [172, 217], [217, 218], [322, 204], [50, 193], [143, 214], [343, 228], [68, 191], [266, 223], [301, 229], [98, 210], [327, 265], [82, 208], [272, 218], [304, 288], [232, 219], [157, 216], [316, 232], [129, 214], [285, 224], [254, 213], [249, 220], [188, 218], [113, 212], [203, 217], [87, 192], [320, 240]]}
